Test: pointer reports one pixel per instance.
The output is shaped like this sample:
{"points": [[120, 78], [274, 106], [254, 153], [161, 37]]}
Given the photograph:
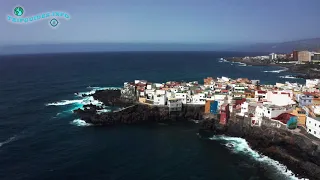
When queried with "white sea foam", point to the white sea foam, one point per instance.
{"points": [[11, 139], [103, 111], [64, 102], [277, 71], [239, 145], [242, 64], [94, 89], [288, 77], [80, 122]]}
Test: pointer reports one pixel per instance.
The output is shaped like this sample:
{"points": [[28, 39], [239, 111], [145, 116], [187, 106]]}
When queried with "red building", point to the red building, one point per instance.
{"points": [[224, 113], [295, 55]]}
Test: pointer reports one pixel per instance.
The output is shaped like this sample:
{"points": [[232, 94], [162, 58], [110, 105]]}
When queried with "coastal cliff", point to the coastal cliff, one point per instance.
{"points": [[298, 152], [128, 111], [139, 113]]}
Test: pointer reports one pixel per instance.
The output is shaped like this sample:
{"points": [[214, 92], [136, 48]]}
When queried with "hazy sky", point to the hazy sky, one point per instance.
{"points": [[158, 21]]}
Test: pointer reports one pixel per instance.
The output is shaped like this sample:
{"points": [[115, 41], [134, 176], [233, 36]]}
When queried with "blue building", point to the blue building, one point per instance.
{"points": [[305, 100]]}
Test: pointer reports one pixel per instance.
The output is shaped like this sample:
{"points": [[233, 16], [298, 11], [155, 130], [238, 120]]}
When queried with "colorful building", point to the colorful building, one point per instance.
{"points": [[211, 107], [301, 115], [224, 114], [286, 118]]}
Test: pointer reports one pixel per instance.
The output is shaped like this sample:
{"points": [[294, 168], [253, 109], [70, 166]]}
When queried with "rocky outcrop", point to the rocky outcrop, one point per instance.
{"points": [[139, 113], [112, 98], [294, 150]]}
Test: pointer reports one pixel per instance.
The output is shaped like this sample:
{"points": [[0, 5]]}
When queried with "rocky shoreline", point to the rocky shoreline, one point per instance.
{"points": [[298, 153], [304, 71]]}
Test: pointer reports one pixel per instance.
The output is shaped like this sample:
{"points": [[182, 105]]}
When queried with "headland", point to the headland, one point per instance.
{"points": [[274, 119]]}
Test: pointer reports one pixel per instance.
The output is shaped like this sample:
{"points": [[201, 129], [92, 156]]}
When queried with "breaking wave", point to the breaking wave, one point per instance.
{"points": [[288, 77], [64, 102], [80, 123], [94, 89], [239, 145], [80, 102], [277, 71], [11, 139]]}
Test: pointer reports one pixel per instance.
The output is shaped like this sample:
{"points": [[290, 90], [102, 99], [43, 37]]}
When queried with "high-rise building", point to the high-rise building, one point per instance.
{"points": [[272, 56], [315, 56], [295, 55], [304, 56]]}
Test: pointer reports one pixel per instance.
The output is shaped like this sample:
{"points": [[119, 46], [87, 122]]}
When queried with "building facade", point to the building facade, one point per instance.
{"points": [[313, 126], [305, 100], [304, 56], [295, 55]]}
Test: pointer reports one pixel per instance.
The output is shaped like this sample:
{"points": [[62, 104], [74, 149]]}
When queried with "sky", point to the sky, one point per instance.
{"points": [[164, 21]]}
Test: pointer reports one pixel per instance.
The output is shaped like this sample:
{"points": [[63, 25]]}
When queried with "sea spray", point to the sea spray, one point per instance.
{"points": [[277, 71], [239, 145], [288, 77], [82, 99], [9, 140], [80, 123]]}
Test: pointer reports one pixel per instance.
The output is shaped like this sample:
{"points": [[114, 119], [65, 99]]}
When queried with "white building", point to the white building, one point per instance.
{"points": [[269, 111], [272, 56], [150, 93], [198, 98], [316, 110], [280, 98], [239, 89], [313, 126], [248, 108], [182, 96], [225, 79], [312, 82], [175, 104], [158, 85], [159, 100], [260, 95], [140, 81], [160, 92], [149, 86]]}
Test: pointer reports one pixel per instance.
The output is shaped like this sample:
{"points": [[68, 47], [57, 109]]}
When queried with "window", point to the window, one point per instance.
{"points": [[268, 112], [309, 130], [314, 132]]}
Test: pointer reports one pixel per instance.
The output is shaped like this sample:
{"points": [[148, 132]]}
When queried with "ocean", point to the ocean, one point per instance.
{"points": [[41, 139]]}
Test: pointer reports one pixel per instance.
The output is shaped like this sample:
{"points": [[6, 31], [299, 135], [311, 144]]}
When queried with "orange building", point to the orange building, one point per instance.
{"points": [[207, 107], [208, 81], [316, 101], [301, 114]]}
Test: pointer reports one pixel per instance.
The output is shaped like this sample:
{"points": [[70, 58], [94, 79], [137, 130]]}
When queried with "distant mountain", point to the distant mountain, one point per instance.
{"points": [[284, 47]]}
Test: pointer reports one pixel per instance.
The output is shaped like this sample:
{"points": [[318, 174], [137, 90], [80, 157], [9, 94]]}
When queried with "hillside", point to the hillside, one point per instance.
{"points": [[284, 47]]}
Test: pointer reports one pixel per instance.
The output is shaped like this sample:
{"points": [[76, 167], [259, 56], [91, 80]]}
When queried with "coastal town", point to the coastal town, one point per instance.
{"points": [[305, 64], [287, 105], [295, 57], [281, 121]]}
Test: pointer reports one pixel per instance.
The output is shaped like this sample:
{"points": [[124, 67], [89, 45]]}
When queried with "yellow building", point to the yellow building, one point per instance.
{"points": [[142, 100], [316, 101], [301, 115]]}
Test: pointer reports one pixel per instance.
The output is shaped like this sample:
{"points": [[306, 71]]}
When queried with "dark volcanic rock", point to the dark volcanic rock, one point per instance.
{"points": [[112, 98], [140, 113], [296, 151]]}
